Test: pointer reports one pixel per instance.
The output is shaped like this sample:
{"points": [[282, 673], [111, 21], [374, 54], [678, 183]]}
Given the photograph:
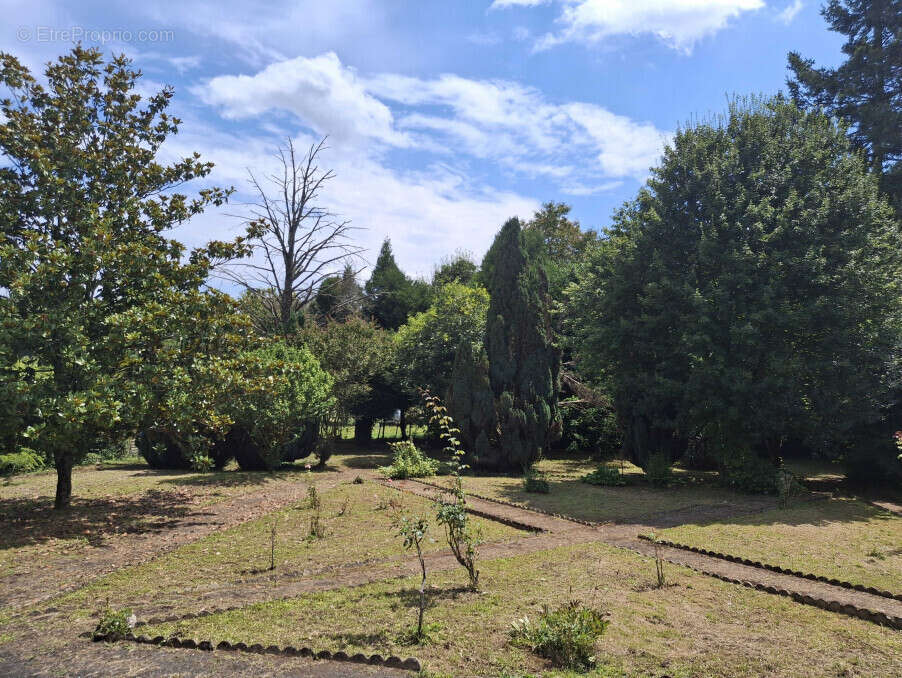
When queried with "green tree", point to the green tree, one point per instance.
{"points": [[339, 297], [84, 207], [866, 89], [523, 361], [460, 268], [426, 343], [471, 403], [359, 356], [749, 294], [392, 297]]}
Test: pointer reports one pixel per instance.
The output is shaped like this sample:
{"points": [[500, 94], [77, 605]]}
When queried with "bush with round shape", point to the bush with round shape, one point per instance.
{"points": [[23, 461], [276, 410]]}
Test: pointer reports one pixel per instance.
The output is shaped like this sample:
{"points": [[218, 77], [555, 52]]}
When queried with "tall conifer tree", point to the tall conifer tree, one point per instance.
{"points": [[523, 361], [866, 89]]}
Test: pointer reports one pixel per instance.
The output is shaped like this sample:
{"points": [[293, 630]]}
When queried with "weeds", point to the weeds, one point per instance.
{"points": [[659, 561], [565, 636]]}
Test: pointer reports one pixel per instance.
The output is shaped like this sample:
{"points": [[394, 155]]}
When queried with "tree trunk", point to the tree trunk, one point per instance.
{"points": [[402, 423], [63, 482], [363, 429]]}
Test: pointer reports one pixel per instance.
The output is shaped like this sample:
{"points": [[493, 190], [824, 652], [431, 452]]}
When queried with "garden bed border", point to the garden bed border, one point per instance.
{"points": [[775, 568], [409, 664]]}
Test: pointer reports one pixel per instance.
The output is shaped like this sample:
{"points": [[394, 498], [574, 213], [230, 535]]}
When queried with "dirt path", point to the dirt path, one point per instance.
{"points": [[196, 522]]}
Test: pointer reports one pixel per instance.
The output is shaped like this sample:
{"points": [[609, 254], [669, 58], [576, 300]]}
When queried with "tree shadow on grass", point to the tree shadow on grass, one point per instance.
{"points": [[26, 522]]}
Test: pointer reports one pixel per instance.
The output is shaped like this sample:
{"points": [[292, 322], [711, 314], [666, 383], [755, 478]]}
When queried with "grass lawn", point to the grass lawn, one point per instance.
{"points": [[695, 626], [839, 538], [572, 497], [358, 524]]}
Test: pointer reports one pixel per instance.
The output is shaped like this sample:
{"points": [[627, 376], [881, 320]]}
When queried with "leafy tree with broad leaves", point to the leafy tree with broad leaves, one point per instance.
{"points": [[866, 89], [89, 282], [749, 294], [392, 297], [426, 344], [460, 269], [524, 362]]}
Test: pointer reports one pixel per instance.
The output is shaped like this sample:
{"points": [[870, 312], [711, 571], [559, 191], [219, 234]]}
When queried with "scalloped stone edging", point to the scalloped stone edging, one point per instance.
{"points": [[409, 664], [560, 516], [776, 568]]}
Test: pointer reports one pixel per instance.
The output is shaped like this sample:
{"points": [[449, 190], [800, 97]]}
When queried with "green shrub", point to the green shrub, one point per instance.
{"points": [[120, 622], [277, 406], [408, 462], [609, 476], [658, 470], [202, 463], [535, 482], [566, 636], [590, 429], [23, 461], [748, 472], [160, 450]]}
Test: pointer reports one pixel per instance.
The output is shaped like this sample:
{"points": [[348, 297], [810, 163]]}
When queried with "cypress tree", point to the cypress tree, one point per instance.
{"points": [[471, 403], [391, 296], [523, 361], [866, 89]]}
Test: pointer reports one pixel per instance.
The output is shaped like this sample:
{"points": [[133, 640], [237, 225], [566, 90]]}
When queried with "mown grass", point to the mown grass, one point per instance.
{"points": [[358, 522], [694, 626], [838, 538], [572, 497]]}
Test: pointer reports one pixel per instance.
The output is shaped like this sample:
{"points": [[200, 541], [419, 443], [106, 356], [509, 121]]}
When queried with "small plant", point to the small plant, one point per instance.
{"points": [[358, 480], [659, 562], [565, 636], [313, 499], [408, 462], [535, 482], [451, 509], [608, 476], [345, 507], [119, 622], [202, 463], [413, 531], [658, 470], [317, 529], [272, 543], [788, 487]]}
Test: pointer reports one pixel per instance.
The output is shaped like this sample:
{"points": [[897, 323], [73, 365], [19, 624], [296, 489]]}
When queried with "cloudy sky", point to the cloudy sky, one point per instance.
{"points": [[444, 118]]}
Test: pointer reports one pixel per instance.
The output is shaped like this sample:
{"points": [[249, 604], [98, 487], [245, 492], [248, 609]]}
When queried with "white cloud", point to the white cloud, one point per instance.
{"points": [[322, 92], [790, 12], [677, 23], [498, 120]]}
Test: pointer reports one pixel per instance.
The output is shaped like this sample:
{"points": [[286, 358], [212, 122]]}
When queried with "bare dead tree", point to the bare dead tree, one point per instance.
{"points": [[297, 242]]}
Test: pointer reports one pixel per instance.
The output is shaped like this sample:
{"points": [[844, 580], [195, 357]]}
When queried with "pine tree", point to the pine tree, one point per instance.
{"points": [[865, 90], [471, 404], [339, 297], [523, 361], [391, 296]]}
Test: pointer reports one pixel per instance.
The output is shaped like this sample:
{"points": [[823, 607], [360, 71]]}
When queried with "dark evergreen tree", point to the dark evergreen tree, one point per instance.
{"points": [[339, 297], [523, 361], [471, 403], [866, 89], [750, 294], [391, 296]]}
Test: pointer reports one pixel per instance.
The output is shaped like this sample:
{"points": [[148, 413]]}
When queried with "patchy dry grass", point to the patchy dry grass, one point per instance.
{"points": [[839, 538], [358, 526], [572, 497], [697, 626]]}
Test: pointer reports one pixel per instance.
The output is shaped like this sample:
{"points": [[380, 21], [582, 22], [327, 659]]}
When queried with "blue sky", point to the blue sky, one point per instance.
{"points": [[444, 118]]}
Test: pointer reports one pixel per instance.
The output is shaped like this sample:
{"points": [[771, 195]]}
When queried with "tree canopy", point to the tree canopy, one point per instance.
{"points": [[749, 294]]}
